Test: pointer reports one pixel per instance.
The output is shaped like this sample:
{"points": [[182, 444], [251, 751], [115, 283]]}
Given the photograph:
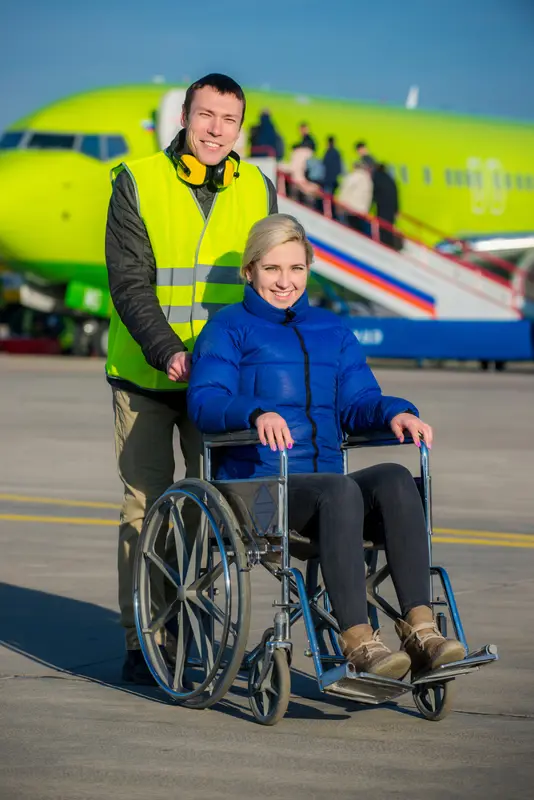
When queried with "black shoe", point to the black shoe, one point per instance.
{"points": [[135, 670]]}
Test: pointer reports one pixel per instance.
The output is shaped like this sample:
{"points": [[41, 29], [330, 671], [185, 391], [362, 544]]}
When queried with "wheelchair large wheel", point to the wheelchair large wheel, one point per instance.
{"points": [[433, 701], [192, 593], [269, 698]]}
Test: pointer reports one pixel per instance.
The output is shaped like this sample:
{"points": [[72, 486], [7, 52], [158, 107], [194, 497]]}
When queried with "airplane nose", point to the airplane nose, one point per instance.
{"points": [[14, 225], [31, 207]]}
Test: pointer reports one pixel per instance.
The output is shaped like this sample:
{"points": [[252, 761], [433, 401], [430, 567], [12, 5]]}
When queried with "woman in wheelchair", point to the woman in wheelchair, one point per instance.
{"points": [[299, 375]]}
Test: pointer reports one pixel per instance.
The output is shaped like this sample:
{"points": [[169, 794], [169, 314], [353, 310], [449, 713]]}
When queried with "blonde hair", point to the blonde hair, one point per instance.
{"points": [[270, 232]]}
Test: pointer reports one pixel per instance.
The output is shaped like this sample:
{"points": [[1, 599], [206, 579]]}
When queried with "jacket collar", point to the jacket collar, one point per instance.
{"points": [[261, 308]]}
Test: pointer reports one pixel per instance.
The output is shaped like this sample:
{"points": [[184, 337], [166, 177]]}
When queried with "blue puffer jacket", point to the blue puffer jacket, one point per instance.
{"points": [[303, 363]]}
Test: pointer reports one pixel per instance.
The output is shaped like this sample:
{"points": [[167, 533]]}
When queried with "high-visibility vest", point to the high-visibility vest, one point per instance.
{"points": [[197, 259]]}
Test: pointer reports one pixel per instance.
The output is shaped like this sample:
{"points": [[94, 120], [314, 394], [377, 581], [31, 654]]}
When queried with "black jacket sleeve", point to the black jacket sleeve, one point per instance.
{"points": [[132, 275], [273, 198]]}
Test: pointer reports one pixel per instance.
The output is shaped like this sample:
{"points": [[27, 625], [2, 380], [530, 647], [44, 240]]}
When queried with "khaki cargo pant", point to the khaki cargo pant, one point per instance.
{"points": [[145, 457]]}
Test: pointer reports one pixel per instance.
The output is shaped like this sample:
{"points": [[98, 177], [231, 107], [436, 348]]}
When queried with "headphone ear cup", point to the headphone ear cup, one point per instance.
{"points": [[229, 172], [190, 170], [223, 174], [218, 173]]}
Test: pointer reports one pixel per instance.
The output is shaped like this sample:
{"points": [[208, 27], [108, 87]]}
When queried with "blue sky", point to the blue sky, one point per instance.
{"points": [[473, 56]]}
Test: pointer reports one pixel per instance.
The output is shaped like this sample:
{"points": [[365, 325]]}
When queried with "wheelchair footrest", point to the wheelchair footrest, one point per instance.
{"points": [[474, 660], [362, 687]]}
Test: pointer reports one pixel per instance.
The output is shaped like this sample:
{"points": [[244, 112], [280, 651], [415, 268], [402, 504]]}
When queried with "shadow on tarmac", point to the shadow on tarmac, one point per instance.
{"points": [[84, 640]]}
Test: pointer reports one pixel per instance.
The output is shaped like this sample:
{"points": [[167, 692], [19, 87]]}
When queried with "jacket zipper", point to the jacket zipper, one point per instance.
{"points": [[309, 398]]}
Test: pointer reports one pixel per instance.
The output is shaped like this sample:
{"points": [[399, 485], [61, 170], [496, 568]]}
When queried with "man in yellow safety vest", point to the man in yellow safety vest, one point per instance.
{"points": [[177, 226]]}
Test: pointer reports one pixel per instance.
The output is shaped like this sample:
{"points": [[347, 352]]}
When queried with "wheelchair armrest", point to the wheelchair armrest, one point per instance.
{"points": [[231, 438], [374, 439]]}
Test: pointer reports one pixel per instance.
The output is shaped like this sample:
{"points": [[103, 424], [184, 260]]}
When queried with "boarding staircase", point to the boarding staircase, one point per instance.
{"points": [[413, 281]]}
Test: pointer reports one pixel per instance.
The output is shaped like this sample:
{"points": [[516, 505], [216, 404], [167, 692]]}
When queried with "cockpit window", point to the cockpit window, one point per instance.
{"points": [[90, 146], [10, 140], [51, 141], [101, 147], [116, 146]]}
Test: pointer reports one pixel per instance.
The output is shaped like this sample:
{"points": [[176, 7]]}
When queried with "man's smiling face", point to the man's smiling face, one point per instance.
{"points": [[213, 124]]}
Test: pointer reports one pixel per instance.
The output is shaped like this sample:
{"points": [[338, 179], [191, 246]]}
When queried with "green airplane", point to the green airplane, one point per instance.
{"points": [[458, 176]]}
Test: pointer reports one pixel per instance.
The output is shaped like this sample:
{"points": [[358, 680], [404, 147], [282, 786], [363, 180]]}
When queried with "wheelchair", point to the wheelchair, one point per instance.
{"points": [[192, 595]]}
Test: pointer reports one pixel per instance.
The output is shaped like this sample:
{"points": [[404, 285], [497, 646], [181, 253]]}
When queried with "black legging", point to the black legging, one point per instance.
{"points": [[332, 509]]}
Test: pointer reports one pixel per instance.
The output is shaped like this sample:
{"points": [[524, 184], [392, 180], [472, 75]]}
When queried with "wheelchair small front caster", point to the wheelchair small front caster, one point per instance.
{"points": [[433, 701], [269, 700]]}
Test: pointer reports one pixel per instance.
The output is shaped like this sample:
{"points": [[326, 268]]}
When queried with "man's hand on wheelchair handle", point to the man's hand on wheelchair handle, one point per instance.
{"points": [[273, 430], [414, 426], [179, 366]]}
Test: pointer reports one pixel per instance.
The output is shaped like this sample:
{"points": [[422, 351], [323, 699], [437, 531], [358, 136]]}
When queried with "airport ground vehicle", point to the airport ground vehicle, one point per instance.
{"points": [[192, 595]]}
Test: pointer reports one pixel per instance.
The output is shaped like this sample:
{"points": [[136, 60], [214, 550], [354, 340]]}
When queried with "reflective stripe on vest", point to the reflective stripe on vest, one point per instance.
{"points": [[197, 259], [170, 277]]}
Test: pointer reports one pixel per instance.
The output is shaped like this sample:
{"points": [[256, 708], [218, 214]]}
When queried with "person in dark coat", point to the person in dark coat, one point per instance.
{"points": [[333, 167], [306, 139], [265, 140], [297, 374], [386, 199]]}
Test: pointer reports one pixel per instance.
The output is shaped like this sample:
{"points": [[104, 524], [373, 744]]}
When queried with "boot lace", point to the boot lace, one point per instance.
{"points": [[423, 633], [371, 646]]}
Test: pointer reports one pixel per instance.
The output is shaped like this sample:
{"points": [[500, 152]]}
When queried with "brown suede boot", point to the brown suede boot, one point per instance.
{"points": [[423, 642], [364, 649]]}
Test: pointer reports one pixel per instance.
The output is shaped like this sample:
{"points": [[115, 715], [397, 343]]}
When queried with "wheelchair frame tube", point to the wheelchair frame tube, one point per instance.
{"points": [[427, 505], [206, 462], [283, 527]]}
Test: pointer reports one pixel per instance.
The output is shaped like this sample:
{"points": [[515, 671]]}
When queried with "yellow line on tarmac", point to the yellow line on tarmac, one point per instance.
{"points": [[475, 538], [455, 532], [482, 541], [56, 501], [57, 520], [527, 537]]}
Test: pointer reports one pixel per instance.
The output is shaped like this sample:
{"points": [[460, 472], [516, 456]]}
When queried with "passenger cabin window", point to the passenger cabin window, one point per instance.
{"points": [[51, 141], [90, 146], [529, 183], [519, 182], [508, 180], [404, 174], [427, 175], [114, 147], [448, 177], [11, 140]]}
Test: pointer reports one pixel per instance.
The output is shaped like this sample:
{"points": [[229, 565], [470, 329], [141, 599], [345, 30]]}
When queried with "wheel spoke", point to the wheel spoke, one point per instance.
{"points": [[164, 617], [166, 569], [199, 553], [208, 606], [182, 648], [265, 702], [208, 579], [202, 639], [180, 542]]}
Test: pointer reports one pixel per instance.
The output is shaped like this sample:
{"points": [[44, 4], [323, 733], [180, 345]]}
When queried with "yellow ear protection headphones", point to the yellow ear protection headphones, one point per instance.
{"points": [[192, 171]]}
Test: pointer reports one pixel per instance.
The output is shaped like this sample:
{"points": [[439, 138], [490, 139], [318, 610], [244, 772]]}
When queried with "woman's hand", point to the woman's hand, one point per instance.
{"points": [[273, 430], [415, 427]]}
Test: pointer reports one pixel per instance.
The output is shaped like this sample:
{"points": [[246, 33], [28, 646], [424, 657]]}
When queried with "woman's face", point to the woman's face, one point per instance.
{"points": [[280, 276]]}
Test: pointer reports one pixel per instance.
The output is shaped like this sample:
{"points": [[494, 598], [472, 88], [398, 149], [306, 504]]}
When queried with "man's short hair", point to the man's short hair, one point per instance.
{"points": [[221, 83], [359, 144]]}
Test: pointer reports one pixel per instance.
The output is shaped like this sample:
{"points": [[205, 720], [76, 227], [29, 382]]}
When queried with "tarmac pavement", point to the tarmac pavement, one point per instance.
{"points": [[71, 730]]}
